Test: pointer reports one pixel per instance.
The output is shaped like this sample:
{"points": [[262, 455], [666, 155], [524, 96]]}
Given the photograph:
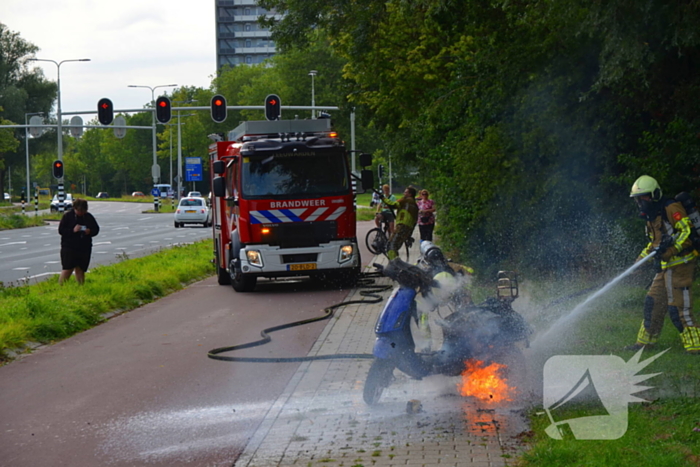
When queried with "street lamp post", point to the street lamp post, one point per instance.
{"points": [[59, 125], [179, 148], [313, 73], [179, 152], [156, 175], [26, 153]]}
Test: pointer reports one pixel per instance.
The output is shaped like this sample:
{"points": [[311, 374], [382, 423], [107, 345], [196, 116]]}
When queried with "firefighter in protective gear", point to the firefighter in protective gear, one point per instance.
{"points": [[669, 231], [406, 218]]}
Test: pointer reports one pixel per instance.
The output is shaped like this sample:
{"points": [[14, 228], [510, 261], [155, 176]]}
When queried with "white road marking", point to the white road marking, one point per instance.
{"points": [[37, 275], [14, 243]]}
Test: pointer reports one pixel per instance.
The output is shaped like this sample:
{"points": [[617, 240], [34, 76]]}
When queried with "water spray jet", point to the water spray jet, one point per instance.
{"points": [[578, 310]]}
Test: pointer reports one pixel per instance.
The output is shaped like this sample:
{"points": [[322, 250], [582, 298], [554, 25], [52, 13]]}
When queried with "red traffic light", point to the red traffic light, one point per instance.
{"points": [[163, 111], [273, 107], [218, 108], [57, 169], [105, 111]]}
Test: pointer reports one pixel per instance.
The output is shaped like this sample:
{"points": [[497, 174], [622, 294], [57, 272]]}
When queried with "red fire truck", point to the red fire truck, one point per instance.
{"points": [[283, 203]]}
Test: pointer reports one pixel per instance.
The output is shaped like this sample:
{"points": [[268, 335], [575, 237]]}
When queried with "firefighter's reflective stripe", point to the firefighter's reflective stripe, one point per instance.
{"points": [[643, 337], [676, 260], [684, 228], [691, 339], [281, 216]]}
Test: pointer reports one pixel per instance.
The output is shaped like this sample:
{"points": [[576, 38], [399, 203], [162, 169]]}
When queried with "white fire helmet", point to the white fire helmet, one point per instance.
{"points": [[448, 286]]}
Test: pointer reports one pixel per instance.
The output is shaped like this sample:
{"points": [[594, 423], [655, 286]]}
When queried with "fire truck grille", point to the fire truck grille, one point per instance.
{"points": [[302, 234]]}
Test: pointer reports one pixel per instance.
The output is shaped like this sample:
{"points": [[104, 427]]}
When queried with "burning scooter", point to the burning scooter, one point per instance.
{"points": [[484, 332]]}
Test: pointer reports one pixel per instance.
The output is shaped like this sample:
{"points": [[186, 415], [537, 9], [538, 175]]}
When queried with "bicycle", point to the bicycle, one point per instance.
{"points": [[377, 241]]}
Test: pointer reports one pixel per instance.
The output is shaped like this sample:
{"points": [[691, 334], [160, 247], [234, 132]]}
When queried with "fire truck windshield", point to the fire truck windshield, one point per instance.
{"points": [[284, 175]]}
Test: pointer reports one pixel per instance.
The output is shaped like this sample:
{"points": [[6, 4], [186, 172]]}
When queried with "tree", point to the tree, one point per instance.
{"points": [[531, 119], [21, 91]]}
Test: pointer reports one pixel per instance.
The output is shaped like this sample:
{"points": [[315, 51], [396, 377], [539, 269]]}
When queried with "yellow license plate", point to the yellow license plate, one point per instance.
{"points": [[190, 212], [302, 267]]}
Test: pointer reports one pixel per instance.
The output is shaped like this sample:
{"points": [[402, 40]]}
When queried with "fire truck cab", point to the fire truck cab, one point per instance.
{"points": [[283, 203]]}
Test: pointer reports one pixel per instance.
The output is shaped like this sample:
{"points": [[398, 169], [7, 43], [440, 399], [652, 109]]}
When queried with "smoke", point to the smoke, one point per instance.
{"points": [[452, 291]]}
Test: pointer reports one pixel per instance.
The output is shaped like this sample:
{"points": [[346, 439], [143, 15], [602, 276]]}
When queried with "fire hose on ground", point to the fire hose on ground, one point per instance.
{"points": [[368, 289]]}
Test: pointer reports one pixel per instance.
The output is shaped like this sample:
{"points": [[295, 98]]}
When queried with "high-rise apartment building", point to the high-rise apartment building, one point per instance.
{"points": [[239, 37]]}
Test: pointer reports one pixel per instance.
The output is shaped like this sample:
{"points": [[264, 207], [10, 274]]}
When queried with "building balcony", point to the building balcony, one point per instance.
{"points": [[255, 50], [252, 34]]}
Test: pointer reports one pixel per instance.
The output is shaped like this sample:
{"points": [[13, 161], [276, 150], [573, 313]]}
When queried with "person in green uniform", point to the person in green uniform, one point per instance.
{"points": [[406, 218]]}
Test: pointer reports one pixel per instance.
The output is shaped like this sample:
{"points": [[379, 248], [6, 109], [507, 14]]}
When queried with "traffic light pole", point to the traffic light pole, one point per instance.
{"points": [[61, 195], [156, 173]]}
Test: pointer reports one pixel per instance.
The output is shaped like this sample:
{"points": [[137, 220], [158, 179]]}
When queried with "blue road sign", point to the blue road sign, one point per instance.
{"points": [[193, 169]]}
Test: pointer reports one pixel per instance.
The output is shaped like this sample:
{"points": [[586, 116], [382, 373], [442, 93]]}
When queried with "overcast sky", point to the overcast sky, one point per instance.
{"points": [[141, 42]]}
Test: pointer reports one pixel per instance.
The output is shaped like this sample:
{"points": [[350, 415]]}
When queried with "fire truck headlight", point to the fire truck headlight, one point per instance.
{"points": [[254, 258], [345, 253]]}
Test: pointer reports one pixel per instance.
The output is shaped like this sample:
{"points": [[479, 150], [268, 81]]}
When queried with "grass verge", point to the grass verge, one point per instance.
{"points": [[664, 431], [19, 221], [46, 312]]}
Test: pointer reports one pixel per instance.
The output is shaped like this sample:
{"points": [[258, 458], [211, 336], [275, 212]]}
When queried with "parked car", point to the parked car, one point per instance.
{"points": [[102, 194], [194, 194], [192, 210], [7, 197], [67, 203], [137, 194]]}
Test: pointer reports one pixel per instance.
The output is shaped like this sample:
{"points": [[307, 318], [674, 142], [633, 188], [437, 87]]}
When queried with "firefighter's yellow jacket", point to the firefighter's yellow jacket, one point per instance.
{"points": [[672, 221]]}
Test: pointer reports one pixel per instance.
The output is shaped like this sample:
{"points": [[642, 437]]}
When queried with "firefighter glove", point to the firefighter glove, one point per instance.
{"points": [[664, 246]]}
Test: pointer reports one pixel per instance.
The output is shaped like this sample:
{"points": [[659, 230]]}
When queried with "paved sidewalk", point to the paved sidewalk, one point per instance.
{"points": [[321, 419]]}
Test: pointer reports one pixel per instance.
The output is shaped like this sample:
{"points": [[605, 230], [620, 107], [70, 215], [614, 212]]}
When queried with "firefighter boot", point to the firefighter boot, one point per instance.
{"points": [[644, 339], [691, 340]]}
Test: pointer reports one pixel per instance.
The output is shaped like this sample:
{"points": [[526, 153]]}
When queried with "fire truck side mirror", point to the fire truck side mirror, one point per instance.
{"points": [[367, 177], [219, 185], [365, 159], [219, 167]]}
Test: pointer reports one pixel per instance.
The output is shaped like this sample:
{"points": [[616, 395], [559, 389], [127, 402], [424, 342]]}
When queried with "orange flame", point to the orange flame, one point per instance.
{"points": [[485, 382]]}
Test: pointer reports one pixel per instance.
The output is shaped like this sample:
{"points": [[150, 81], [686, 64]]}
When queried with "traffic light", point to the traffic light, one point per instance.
{"points": [[163, 112], [273, 107], [218, 108], [381, 171], [58, 169], [105, 111]]}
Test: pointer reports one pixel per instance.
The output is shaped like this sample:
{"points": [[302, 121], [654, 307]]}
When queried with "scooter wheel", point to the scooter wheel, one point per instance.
{"points": [[378, 378]]}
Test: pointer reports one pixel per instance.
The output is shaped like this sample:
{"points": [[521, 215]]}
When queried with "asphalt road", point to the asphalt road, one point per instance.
{"points": [[139, 389], [33, 254]]}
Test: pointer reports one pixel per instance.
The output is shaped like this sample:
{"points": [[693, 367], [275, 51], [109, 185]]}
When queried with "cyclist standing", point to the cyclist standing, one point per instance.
{"points": [[406, 218], [384, 211]]}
